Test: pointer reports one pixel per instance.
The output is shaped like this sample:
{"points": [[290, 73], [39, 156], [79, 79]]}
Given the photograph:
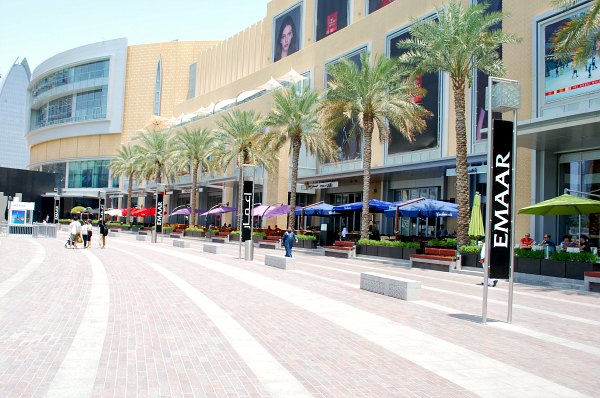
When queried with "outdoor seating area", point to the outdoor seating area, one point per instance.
{"points": [[435, 259], [341, 249]]}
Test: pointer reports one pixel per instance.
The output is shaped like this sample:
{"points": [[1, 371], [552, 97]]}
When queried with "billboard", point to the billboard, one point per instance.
{"points": [[565, 80], [431, 83], [287, 32], [332, 15]]}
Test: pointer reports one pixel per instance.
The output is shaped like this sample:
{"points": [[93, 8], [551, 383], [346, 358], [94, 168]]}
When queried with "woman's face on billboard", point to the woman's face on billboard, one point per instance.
{"points": [[287, 35]]}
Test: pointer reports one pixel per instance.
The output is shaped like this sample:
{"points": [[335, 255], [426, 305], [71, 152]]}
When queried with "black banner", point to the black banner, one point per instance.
{"points": [[501, 200], [56, 209], [101, 209], [160, 204], [247, 201]]}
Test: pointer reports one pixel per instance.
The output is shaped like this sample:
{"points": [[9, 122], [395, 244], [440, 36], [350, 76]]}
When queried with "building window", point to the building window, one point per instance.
{"points": [[431, 82], [158, 87], [57, 168], [192, 81], [91, 105], [375, 5], [332, 15], [88, 174], [416, 193], [79, 73]]}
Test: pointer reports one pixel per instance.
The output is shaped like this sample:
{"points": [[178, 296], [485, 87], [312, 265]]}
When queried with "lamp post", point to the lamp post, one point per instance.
{"points": [[503, 95]]}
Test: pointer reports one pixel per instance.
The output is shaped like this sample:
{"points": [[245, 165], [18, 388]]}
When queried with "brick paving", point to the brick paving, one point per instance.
{"points": [[183, 323]]}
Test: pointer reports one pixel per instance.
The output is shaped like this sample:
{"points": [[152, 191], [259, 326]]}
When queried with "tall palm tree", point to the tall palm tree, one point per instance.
{"points": [[156, 149], [580, 37], [241, 136], [193, 149], [458, 40], [126, 164], [294, 120], [375, 93]]}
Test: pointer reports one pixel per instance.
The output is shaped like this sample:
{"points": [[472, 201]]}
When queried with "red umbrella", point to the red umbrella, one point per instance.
{"points": [[124, 211], [144, 212]]}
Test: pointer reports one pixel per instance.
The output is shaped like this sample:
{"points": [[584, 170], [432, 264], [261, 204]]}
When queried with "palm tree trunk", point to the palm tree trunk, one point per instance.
{"points": [[193, 193], [295, 158], [129, 196], [462, 179], [365, 219]]}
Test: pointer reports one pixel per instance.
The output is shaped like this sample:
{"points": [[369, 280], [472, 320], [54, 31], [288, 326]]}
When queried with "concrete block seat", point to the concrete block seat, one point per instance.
{"points": [[270, 242], [392, 286], [181, 243], [210, 248], [279, 261], [435, 259], [591, 281], [145, 231], [177, 233], [222, 237], [341, 249]]}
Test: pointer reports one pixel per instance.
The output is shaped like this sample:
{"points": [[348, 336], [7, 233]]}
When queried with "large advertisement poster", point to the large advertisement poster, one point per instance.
{"points": [[332, 15], [375, 5], [565, 80], [287, 33], [349, 143], [429, 137]]}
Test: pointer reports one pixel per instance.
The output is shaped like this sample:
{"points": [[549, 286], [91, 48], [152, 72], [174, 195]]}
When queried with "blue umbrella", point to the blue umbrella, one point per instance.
{"points": [[375, 205], [425, 208], [320, 209]]}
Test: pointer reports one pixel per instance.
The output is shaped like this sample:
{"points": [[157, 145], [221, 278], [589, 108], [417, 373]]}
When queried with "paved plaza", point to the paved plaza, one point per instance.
{"points": [[150, 320]]}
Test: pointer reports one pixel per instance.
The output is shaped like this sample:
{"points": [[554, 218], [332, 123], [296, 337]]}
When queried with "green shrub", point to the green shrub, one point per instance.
{"points": [[538, 254], [581, 257], [306, 237], [212, 231], [450, 242], [259, 234], [389, 243], [113, 224], [470, 249], [77, 209], [194, 229], [64, 220], [234, 233]]}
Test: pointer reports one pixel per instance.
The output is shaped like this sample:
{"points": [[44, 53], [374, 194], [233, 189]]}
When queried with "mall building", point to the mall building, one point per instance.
{"points": [[88, 101]]}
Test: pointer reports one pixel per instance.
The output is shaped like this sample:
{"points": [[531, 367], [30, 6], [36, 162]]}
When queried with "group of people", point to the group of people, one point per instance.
{"points": [[583, 244], [81, 232]]}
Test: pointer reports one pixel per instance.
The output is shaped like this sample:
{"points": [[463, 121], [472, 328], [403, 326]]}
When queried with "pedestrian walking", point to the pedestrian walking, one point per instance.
{"points": [[74, 231], [490, 281], [288, 239], [84, 233], [103, 232]]}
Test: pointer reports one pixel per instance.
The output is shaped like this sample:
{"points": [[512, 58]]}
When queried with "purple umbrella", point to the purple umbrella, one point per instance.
{"points": [[219, 210], [281, 210], [261, 209], [186, 211]]}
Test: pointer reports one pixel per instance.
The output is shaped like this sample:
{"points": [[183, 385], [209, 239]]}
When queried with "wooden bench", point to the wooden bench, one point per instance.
{"points": [[181, 243], [176, 233], [435, 259], [270, 242], [222, 237], [143, 232], [392, 286], [279, 261], [591, 281], [214, 249], [341, 249]]}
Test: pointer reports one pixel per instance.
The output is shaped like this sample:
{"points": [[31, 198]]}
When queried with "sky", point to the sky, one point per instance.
{"points": [[39, 29]]}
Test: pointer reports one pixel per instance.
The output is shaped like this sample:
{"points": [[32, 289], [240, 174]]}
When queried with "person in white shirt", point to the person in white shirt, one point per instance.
{"points": [[490, 281], [344, 232], [74, 229], [84, 233]]}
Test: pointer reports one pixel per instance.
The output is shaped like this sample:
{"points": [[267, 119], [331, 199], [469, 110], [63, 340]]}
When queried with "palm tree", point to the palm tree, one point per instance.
{"points": [[156, 149], [126, 164], [458, 40], [294, 120], [375, 93], [580, 37], [193, 149], [241, 135]]}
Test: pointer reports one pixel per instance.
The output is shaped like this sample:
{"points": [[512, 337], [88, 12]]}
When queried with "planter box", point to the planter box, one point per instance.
{"points": [[553, 268], [389, 252], [234, 238], [470, 260], [307, 244], [371, 250], [528, 265], [406, 252], [575, 270], [361, 249]]}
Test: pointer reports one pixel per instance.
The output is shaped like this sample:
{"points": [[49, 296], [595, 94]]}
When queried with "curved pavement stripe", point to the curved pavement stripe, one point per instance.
{"points": [[276, 379], [38, 253], [77, 373], [475, 372]]}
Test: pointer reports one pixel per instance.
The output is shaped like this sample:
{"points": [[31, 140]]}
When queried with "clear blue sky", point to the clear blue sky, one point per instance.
{"points": [[38, 29]]}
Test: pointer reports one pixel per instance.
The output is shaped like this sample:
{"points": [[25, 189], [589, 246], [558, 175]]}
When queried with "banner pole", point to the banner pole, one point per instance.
{"points": [[511, 275]]}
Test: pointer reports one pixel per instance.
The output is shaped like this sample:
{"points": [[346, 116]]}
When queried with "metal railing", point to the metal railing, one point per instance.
{"points": [[37, 230]]}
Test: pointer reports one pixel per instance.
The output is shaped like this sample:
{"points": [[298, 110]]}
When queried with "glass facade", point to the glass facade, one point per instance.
{"points": [[63, 77], [90, 105], [158, 87], [57, 168], [192, 81], [88, 174], [13, 99]]}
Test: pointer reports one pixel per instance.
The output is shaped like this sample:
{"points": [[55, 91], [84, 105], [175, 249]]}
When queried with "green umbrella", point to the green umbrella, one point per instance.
{"points": [[476, 223], [563, 205]]}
